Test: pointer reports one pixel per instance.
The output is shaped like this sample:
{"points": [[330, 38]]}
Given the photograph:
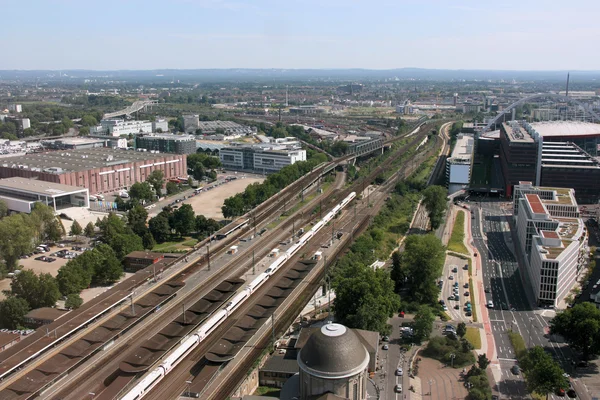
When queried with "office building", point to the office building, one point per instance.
{"points": [[25, 123], [191, 123], [552, 238], [178, 144], [20, 194], [119, 127], [458, 166], [16, 108], [100, 170], [534, 153], [263, 158], [160, 125]]}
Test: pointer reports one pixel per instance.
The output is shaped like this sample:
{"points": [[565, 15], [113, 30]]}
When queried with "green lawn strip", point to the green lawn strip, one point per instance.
{"points": [[473, 337], [518, 344], [457, 238], [472, 296]]}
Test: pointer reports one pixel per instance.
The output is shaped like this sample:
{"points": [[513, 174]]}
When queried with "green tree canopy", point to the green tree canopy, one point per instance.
{"points": [[148, 241], [421, 264], [136, 219], [159, 227], [12, 311], [580, 326], [157, 180], [141, 191], [76, 229], [37, 290], [89, 230], [3, 209], [16, 238], [172, 188], [74, 301], [184, 220], [423, 323], [434, 200], [365, 298], [461, 330], [544, 375]]}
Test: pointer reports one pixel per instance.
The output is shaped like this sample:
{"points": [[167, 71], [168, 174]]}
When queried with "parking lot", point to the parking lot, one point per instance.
{"points": [[455, 288]]}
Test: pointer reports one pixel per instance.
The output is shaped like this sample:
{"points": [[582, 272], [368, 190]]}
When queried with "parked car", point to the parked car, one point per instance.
{"points": [[399, 372], [385, 347], [398, 388], [515, 369]]}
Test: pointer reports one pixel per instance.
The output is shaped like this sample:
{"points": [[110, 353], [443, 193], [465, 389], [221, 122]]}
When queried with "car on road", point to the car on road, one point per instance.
{"points": [[399, 372], [504, 306], [398, 388], [457, 307], [466, 285], [572, 393], [468, 313], [451, 277], [455, 270], [487, 290], [467, 294], [515, 369], [490, 304]]}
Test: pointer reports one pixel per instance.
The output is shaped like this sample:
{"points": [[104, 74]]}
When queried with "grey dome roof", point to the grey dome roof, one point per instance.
{"points": [[333, 352]]}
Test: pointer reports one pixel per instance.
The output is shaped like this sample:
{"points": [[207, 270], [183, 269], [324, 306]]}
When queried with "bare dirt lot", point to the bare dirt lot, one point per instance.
{"points": [[209, 203]]}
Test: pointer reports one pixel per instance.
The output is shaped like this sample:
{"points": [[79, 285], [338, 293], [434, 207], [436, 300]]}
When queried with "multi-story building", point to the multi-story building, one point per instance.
{"points": [[191, 122], [160, 125], [178, 144], [118, 127], [16, 108], [265, 158], [534, 153], [458, 166], [552, 238], [100, 170], [25, 123]]}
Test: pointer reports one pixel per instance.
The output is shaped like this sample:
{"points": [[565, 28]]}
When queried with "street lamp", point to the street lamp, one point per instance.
{"points": [[188, 386], [452, 356], [431, 382]]}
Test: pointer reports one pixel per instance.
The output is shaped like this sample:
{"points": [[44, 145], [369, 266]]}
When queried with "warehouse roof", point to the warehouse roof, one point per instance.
{"points": [[38, 187], [78, 159]]}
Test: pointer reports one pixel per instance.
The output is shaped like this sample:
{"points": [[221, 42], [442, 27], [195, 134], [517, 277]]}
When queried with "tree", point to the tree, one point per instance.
{"points": [[159, 227], [73, 278], [365, 298], [42, 218], [172, 188], [54, 231], [198, 172], [12, 311], [110, 269], [141, 191], [421, 263], [157, 180], [16, 238], [148, 241], [183, 220], [544, 375], [37, 291], [89, 230], [74, 301], [136, 219], [124, 244], [483, 361], [3, 209], [339, 148], [84, 131], [88, 120], [75, 229], [580, 327], [461, 330], [423, 322], [434, 200]]}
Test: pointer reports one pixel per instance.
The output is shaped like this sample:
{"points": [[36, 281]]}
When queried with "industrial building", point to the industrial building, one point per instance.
{"points": [[306, 110], [118, 127], [74, 143], [542, 153], [100, 170], [552, 238], [458, 166], [264, 158], [178, 144], [20, 194]]}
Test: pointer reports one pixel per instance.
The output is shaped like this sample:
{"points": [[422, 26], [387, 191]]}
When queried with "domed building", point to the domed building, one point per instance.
{"points": [[333, 360]]}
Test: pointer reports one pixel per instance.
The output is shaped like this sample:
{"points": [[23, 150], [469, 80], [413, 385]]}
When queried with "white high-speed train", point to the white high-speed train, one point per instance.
{"points": [[191, 342]]}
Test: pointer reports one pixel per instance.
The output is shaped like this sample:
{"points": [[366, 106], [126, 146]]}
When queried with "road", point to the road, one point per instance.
{"points": [[513, 307]]}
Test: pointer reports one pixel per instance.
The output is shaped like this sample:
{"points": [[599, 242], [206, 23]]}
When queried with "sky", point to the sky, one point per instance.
{"points": [[295, 34]]}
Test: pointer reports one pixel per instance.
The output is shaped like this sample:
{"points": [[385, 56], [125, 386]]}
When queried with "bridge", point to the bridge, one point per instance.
{"points": [[135, 107], [595, 117]]}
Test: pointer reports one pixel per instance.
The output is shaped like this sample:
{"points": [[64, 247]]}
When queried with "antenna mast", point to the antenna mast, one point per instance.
{"points": [[567, 91]]}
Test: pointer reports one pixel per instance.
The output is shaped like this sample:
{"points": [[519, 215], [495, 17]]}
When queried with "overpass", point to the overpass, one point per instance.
{"points": [[135, 107]]}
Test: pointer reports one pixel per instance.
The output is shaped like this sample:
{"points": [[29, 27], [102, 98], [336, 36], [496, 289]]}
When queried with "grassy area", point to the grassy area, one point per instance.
{"points": [[267, 391], [472, 296], [456, 242], [473, 337], [175, 246], [518, 343], [441, 348]]}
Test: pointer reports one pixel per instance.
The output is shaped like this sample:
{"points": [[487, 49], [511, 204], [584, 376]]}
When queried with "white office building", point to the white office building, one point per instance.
{"points": [[16, 108], [191, 123], [118, 127], [161, 124], [458, 166], [263, 158], [553, 239]]}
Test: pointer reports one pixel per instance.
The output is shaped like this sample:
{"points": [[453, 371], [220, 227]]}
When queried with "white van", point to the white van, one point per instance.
{"points": [[100, 197]]}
